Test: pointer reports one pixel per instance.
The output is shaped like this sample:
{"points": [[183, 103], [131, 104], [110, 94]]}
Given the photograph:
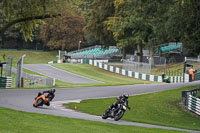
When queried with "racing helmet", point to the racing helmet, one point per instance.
{"points": [[125, 95]]}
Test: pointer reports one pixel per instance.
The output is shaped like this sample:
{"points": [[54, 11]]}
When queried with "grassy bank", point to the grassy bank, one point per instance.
{"points": [[107, 78], [161, 108], [31, 56], [22, 122]]}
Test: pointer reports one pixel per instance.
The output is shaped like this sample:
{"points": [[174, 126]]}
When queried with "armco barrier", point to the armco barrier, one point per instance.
{"points": [[191, 101], [179, 79], [148, 77], [186, 93], [137, 75], [194, 104], [5, 82]]}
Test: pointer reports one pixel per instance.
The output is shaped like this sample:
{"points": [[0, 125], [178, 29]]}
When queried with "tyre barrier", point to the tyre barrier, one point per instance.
{"points": [[194, 104], [5, 82], [189, 99]]}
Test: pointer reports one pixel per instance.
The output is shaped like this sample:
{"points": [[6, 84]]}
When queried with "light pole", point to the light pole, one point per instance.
{"points": [[79, 45]]}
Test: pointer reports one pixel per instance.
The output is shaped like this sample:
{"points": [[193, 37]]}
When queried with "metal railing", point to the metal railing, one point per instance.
{"points": [[194, 104], [35, 80], [137, 67], [189, 98], [186, 93]]}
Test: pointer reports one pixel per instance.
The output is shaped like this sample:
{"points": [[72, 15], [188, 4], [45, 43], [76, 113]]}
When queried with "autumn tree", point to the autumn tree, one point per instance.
{"points": [[27, 15], [63, 32]]}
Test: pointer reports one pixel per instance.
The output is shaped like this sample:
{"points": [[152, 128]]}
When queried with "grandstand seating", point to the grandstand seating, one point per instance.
{"points": [[170, 48], [93, 52]]}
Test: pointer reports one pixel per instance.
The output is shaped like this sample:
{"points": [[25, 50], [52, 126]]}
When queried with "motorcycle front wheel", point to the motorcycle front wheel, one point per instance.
{"points": [[119, 115], [105, 114], [39, 102]]}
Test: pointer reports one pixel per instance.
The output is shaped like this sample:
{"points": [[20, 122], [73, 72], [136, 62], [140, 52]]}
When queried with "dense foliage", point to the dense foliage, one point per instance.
{"points": [[149, 23], [126, 23], [64, 32]]}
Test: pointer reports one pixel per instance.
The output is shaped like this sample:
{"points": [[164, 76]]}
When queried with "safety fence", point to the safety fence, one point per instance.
{"points": [[137, 66], [102, 64], [31, 80], [5, 82], [137, 75], [194, 104], [179, 79], [146, 59], [189, 98]]}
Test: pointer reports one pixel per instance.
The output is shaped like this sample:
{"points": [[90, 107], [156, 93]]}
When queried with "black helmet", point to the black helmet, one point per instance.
{"points": [[52, 90], [125, 95]]}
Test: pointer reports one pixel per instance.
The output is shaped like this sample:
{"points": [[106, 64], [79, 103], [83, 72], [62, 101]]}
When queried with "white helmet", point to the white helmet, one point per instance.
{"points": [[125, 95]]}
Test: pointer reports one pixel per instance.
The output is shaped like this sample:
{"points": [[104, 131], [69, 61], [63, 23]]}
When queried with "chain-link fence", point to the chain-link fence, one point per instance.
{"points": [[137, 67], [146, 59], [31, 80]]}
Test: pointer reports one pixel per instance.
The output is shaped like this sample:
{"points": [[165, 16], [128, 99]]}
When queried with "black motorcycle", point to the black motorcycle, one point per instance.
{"points": [[116, 112]]}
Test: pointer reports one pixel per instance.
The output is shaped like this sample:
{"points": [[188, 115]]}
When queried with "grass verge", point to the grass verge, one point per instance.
{"points": [[30, 58], [22, 122], [160, 108], [108, 78]]}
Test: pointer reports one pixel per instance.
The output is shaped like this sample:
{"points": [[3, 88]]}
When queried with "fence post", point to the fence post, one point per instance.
{"points": [[19, 72], [185, 95]]}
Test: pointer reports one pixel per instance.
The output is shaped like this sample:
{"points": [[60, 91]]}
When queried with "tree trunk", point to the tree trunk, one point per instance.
{"points": [[140, 52], [124, 53], [2, 40], [151, 56]]}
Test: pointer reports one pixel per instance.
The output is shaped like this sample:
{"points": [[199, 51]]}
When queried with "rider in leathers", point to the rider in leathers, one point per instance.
{"points": [[50, 93], [120, 99]]}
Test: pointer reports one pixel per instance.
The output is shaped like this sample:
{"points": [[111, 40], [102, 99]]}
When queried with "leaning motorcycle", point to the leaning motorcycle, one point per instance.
{"points": [[116, 113], [44, 98]]}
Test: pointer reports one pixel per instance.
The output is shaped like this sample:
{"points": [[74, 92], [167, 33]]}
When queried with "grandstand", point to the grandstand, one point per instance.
{"points": [[94, 52], [171, 47]]}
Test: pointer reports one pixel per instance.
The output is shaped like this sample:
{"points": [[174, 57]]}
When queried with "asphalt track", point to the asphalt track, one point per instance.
{"points": [[23, 99], [59, 74]]}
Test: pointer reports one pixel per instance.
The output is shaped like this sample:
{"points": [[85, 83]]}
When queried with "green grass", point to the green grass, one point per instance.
{"points": [[198, 94], [108, 78], [161, 108], [170, 70], [31, 57], [22, 122]]}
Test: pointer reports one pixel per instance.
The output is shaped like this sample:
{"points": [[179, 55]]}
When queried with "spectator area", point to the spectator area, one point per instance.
{"points": [[94, 52], [170, 48]]}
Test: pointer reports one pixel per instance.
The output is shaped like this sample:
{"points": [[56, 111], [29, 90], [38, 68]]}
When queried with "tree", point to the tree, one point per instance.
{"points": [[138, 22], [64, 32], [130, 24], [185, 20], [27, 15], [100, 11]]}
